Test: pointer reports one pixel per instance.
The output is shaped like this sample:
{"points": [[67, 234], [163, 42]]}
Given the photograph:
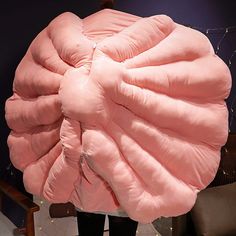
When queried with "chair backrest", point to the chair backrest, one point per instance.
{"points": [[23, 201]]}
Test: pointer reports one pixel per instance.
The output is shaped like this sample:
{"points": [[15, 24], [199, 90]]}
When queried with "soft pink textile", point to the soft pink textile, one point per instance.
{"points": [[116, 111]]}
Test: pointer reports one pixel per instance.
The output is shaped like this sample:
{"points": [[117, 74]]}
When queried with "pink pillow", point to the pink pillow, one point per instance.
{"points": [[118, 111]]}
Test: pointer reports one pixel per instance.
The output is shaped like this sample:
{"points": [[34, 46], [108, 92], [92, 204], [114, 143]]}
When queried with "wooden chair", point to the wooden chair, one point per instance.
{"points": [[26, 203]]}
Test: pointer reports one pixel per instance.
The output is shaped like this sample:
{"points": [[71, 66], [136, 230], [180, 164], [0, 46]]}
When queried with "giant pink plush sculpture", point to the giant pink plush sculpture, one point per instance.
{"points": [[118, 111]]}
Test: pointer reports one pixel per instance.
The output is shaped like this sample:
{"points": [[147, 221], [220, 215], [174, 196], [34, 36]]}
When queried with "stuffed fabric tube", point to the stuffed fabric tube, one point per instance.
{"points": [[118, 111]]}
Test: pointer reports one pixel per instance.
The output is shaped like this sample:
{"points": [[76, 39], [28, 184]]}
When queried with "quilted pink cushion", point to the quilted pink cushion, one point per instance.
{"points": [[118, 111]]}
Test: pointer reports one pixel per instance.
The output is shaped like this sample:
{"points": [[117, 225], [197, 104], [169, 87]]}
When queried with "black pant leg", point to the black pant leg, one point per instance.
{"points": [[90, 224], [122, 226]]}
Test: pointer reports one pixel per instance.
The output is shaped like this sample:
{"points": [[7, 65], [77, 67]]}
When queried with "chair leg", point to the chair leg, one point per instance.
{"points": [[30, 224], [179, 225]]}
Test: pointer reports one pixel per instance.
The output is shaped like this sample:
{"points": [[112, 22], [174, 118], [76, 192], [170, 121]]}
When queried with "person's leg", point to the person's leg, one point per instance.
{"points": [[90, 224], [122, 226]]}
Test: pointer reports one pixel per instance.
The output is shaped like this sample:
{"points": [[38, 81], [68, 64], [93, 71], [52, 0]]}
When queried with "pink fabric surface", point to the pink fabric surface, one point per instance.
{"points": [[118, 111]]}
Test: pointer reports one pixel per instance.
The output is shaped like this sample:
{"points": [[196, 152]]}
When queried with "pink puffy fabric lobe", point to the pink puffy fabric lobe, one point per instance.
{"points": [[118, 111]]}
